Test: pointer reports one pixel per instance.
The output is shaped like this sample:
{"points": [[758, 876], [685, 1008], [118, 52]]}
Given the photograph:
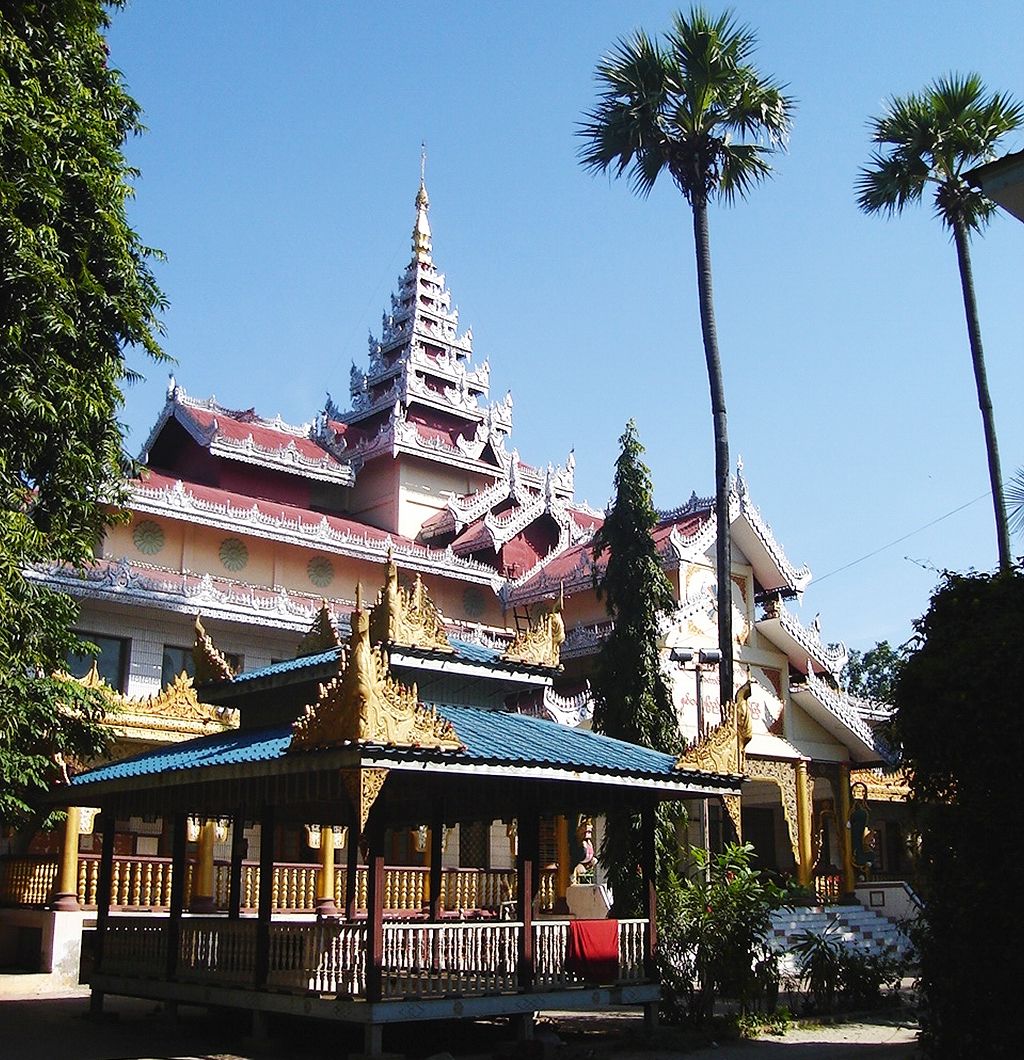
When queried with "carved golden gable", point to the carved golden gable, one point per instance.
{"points": [[365, 704], [540, 644], [406, 616], [211, 667], [723, 748]]}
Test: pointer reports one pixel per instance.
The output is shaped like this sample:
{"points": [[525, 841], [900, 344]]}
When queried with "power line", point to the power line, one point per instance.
{"points": [[882, 548]]}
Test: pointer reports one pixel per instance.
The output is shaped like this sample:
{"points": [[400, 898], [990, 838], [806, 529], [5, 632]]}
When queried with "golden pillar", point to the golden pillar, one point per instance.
{"points": [[845, 839], [325, 884], [65, 897], [805, 866], [202, 879]]}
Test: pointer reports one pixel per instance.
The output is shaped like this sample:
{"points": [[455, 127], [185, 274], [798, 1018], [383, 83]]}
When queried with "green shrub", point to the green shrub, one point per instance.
{"points": [[715, 937]]}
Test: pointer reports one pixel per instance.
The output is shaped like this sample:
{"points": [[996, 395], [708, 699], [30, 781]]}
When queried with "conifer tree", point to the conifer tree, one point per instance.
{"points": [[632, 701]]}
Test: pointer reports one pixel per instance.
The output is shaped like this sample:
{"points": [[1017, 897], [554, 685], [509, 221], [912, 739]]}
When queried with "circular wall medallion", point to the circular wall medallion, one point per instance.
{"points": [[233, 553], [473, 602], [320, 571], [148, 537]]}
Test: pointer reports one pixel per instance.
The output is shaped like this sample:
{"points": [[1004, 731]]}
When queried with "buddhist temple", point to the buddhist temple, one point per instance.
{"points": [[231, 600]]}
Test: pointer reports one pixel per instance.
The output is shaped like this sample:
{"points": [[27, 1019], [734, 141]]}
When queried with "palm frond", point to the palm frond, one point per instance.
{"points": [[678, 106], [936, 135], [740, 168], [1015, 502]]}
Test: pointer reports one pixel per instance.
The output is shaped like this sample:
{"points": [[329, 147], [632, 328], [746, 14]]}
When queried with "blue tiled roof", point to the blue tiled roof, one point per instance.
{"points": [[288, 666], [474, 652], [494, 737], [220, 749], [463, 649]]}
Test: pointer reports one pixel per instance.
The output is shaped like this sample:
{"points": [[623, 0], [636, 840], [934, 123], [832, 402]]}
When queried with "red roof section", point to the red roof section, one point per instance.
{"points": [[238, 427], [305, 517]]}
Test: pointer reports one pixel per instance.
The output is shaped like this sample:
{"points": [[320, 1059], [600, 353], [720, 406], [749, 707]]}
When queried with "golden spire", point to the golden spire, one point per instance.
{"points": [[421, 231]]}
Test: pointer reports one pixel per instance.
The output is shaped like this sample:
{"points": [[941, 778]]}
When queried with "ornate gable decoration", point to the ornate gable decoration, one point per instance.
{"points": [[540, 644], [211, 667], [406, 617], [882, 785], [365, 704], [723, 748], [176, 703], [322, 636]]}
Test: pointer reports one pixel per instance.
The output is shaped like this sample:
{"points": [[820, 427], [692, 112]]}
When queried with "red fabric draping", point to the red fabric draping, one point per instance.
{"points": [[592, 951]]}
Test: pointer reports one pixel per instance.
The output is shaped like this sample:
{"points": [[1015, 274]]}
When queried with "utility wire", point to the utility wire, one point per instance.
{"points": [[882, 548]]}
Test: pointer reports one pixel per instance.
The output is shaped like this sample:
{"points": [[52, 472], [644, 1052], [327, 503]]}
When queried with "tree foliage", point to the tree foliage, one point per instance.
{"points": [[632, 700], [716, 940], [872, 674], [695, 107], [75, 292], [957, 722], [931, 139]]}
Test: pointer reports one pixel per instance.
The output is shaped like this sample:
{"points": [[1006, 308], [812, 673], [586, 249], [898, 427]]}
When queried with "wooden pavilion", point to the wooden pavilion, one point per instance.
{"points": [[338, 738]]}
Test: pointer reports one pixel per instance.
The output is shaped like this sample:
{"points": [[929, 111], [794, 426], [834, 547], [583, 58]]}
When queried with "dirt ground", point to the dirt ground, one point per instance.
{"points": [[36, 1028]]}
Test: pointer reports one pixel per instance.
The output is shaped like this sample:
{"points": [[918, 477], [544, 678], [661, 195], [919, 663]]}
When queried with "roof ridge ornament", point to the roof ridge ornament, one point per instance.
{"points": [[540, 644], [723, 748], [211, 666], [322, 635], [406, 616], [365, 704], [421, 247]]}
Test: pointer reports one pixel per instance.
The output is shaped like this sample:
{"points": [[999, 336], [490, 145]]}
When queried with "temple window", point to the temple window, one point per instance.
{"points": [[111, 660]]}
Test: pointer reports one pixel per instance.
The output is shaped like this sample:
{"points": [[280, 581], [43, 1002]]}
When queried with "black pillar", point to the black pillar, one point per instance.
{"points": [[179, 838], [527, 870], [375, 915], [235, 878], [266, 898], [648, 823]]}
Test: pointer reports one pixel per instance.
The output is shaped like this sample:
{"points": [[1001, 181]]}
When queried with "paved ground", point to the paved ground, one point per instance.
{"points": [[39, 1028]]}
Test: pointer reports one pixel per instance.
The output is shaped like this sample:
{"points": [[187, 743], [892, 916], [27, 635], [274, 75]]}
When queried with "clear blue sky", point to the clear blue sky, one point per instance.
{"points": [[278, 176]]}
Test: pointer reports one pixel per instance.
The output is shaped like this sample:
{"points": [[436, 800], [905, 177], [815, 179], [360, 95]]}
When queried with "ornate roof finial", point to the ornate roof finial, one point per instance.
{"points": [[421, 232]]}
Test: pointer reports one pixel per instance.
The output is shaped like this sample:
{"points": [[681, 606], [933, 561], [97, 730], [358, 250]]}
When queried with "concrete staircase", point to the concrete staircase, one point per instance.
{"points": [[854, 925]]}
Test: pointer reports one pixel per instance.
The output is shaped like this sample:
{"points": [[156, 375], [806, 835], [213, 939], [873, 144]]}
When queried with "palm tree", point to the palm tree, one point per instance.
{"points": [[934, 138], [676, 107]]}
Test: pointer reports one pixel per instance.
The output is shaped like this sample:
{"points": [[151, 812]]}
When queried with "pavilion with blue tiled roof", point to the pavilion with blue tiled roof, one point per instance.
{"points": [[375, 737]]}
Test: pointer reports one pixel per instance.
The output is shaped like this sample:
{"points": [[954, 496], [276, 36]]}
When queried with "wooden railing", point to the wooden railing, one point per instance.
{"points": [[419, 960], [27, 881], [550, 939], [144, 883], [435, 960], [828, 888]]}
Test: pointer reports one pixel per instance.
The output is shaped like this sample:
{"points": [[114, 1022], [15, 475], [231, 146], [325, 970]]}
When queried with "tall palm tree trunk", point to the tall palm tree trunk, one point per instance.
{"points": [[723, 551], [963, 254]]}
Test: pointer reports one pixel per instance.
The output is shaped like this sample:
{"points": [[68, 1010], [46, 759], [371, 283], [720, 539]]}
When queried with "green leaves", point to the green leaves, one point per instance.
{"points": [[933, 137], [676, 107], [75, 292]]}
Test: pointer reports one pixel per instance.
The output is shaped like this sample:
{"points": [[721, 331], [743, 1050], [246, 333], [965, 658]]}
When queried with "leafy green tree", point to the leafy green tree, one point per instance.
{"points": [[632, 701], [75, 292], [957, 721], [696, 108], [872, 674], [933, 138], [717, 936]]}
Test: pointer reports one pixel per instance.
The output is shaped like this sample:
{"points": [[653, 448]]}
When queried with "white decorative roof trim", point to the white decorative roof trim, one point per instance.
{"points": [[569, 710], [797, 578], [831, 657], [176, 502], [173, 591], [584, 639], [840, 708], [246, 450]]}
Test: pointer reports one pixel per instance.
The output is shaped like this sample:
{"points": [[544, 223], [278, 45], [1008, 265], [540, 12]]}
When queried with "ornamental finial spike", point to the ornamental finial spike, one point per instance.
{"points": [[421, 231]]}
